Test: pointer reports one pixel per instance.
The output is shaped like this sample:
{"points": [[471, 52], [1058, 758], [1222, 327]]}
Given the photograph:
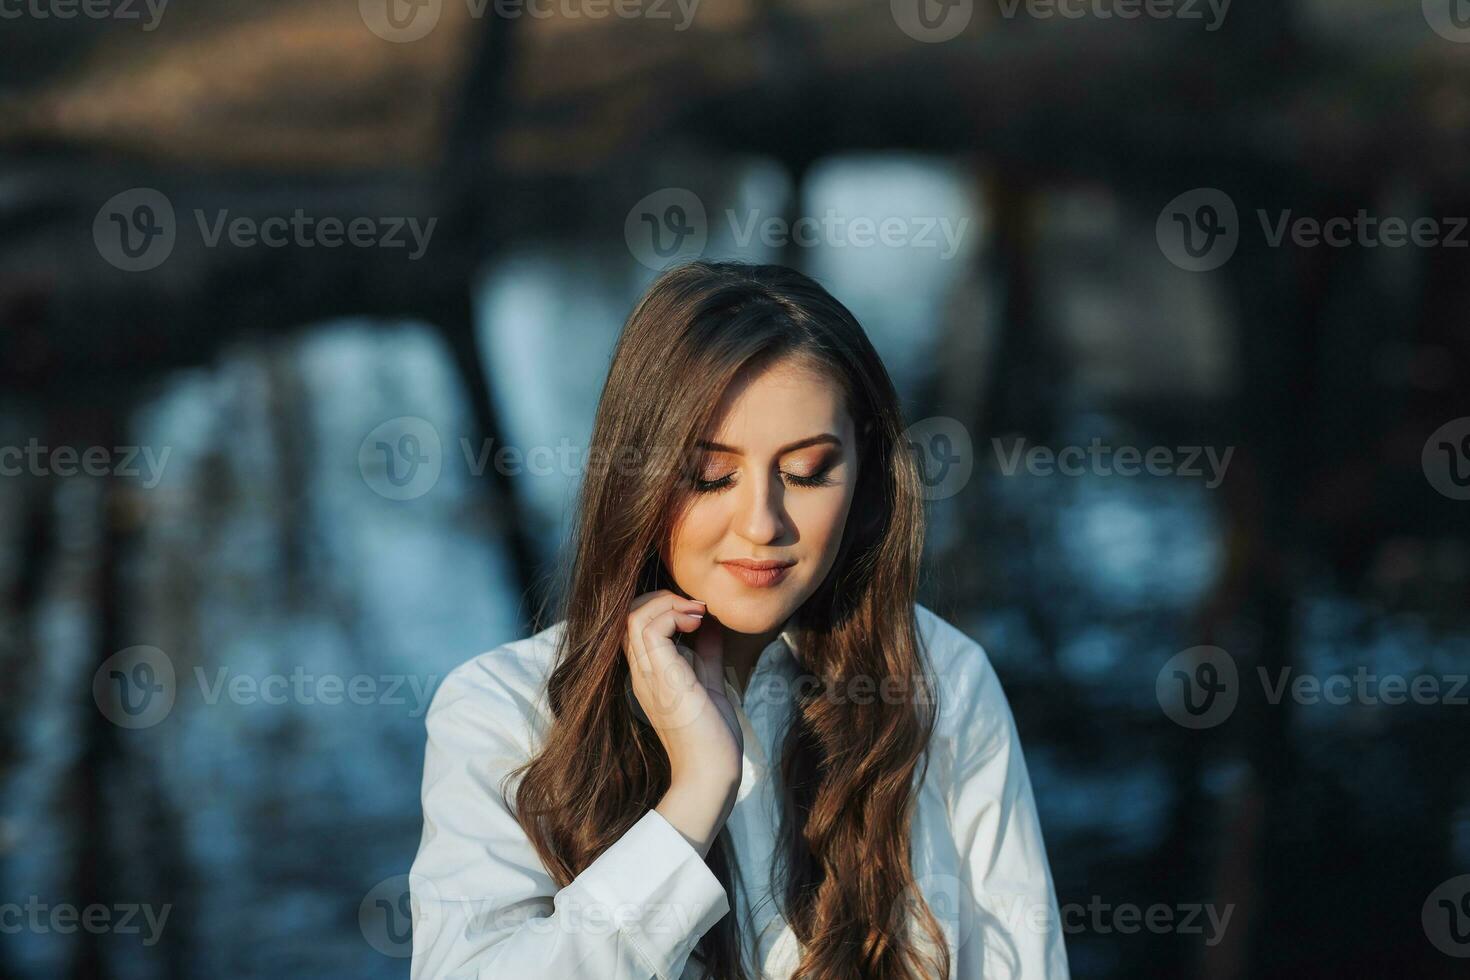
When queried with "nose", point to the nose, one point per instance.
{"points": [[760, 511]]}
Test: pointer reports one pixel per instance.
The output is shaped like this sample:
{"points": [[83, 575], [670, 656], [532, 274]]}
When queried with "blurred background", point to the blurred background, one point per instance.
{"points": [[304, 310]]}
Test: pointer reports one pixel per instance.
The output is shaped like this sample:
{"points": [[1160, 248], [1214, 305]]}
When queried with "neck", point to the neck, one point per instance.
{"points": [[742, 650]]}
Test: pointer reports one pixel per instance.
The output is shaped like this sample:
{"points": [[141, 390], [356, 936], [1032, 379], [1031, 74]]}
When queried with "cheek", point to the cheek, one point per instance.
{"points": [[698, 531], [820, 518]]}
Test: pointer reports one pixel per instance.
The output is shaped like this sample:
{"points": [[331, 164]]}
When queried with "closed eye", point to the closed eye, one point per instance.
{"points": [[818, 479]]}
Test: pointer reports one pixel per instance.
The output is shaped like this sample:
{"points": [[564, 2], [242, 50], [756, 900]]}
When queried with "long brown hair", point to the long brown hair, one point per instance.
{"points": [[850, 770]]}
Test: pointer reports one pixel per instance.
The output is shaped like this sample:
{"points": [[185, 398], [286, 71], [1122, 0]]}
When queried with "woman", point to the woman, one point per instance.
{"points": [[829, 785]]}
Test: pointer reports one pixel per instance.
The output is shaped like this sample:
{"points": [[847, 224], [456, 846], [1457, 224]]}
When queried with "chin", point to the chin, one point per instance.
{"points": [[745, 614]]}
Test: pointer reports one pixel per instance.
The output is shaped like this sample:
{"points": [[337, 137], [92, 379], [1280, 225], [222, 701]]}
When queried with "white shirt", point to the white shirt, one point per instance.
{"points": [[484, 907]]}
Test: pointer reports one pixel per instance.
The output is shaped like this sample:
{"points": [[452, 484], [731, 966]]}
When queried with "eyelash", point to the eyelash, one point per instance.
{"points": [[723, 483]]}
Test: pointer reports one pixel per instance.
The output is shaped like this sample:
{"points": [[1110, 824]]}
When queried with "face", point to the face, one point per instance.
{"points": [[775, 482]]}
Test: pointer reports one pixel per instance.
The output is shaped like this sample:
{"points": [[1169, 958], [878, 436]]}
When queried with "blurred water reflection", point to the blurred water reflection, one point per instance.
{"points": [[266, 552]]}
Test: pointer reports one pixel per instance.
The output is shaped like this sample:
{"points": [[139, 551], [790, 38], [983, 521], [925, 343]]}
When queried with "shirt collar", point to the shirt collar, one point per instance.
{"points": [[778, 657], [784, 646], [781, 653]]}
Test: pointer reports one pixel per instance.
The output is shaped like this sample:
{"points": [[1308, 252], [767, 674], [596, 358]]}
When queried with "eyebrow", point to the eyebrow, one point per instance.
{"points": [[719, 447]]}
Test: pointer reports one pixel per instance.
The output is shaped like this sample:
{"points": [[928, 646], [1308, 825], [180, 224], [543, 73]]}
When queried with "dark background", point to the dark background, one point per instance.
{"points": [[287, 532]]}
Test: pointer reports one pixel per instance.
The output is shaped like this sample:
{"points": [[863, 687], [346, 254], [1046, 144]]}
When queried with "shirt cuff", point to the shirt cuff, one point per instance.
{"points": [[657, 890]]}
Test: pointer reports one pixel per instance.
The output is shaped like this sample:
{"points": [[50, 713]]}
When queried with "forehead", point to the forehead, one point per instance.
{"points": [[788, 400]]}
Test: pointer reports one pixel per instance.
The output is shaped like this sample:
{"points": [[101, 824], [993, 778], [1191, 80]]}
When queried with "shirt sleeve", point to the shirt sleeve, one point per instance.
{"points": [[1009, 925], [484, 906]]}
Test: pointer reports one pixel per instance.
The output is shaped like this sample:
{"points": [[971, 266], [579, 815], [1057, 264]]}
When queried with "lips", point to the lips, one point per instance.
{"points": [[758, 573]]}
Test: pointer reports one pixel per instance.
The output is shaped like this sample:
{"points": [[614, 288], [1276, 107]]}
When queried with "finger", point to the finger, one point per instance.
{"points": [[641, 612], [670, 677], [633, 651], [652, 604], [658, 634], [644, 598]]}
